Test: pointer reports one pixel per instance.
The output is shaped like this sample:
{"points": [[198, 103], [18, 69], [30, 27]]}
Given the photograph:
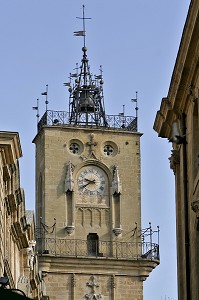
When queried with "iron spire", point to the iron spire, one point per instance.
{"points": [[86, 103]]}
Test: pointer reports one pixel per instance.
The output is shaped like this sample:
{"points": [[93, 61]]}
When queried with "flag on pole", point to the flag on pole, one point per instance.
{"points": [[79, 33], [35, 108], [134, 100], [73, 75], [44, 94], [98, 76], [66, 83]]}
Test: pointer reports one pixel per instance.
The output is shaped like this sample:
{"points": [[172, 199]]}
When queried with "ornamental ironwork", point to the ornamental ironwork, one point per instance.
{"points": [[106, 249], [62, 118]]}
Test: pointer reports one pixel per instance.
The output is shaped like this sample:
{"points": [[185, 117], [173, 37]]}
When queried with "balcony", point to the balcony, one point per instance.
{"points": [[61, 118], [98, 249]]}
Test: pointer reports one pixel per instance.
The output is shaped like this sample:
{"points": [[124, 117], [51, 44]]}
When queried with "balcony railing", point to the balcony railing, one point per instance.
{"points": [[106, 249], [55, 118]]}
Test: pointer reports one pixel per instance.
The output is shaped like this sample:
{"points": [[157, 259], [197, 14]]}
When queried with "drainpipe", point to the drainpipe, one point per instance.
{"points": [[186, 208]]}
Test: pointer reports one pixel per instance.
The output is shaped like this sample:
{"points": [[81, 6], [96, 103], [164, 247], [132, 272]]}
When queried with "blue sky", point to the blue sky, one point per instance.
{"points": [[136, 42]]}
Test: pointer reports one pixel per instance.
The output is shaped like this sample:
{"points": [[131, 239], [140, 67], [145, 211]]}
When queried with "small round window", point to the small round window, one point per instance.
{"points": [[74, 148], [108, 150]]}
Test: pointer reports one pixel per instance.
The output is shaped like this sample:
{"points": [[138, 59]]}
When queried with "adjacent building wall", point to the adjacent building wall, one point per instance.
{"points": [[178, 121], [17, 246]]}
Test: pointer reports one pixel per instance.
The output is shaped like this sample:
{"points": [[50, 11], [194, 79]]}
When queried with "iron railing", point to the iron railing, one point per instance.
{"points": [[55, 118], [106, 249]]}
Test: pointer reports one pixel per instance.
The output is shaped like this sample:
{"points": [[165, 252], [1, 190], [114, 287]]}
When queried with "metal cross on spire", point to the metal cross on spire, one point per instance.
{"points": [[82, 32]]}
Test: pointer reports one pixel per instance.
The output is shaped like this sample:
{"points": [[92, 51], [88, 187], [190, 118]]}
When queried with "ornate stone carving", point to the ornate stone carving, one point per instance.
{"points": [[69, 182], [69, 229], [91, 145], [93, 285], [117, 231], [195, 207], [73, 280], [174, 160], [143, 278], [31, 254], [24, 284], [113, 283], [194, 92], [116, 184]]}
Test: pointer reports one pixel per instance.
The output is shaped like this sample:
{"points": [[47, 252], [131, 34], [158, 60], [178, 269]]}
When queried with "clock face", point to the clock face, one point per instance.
{"points": [[91, 181]]}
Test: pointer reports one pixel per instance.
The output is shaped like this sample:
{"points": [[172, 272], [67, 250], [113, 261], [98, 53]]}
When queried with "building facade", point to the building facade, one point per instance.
{"points": [[88, 199], [17, 236], [178, 121]]}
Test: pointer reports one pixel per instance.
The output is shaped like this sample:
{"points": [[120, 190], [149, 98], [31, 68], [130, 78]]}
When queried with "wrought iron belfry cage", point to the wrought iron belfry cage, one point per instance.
{"points": [[86, 105]]}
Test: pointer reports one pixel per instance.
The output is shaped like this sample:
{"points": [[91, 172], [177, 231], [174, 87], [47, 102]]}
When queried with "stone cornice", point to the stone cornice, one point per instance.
{"points": [[10, 145], [123, 267], [45, 129], [183, 76]]}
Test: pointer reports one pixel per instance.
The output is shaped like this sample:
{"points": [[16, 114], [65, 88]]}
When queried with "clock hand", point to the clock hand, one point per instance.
{"points": [[87, 184], [90, 181], [83, 186]]}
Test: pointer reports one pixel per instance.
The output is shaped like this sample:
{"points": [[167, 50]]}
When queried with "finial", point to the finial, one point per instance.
{"points": [[99, 77]]}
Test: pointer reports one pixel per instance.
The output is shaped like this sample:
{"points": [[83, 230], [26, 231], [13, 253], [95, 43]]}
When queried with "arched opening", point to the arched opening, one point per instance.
{"points": [[92, 244]]}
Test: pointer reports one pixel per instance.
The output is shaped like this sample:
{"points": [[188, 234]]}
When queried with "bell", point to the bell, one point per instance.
{"points": [[86, 102]]}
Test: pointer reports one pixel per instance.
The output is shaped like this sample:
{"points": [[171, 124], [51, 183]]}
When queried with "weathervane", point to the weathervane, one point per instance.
{"points": [[136, 100], [82, 32], [37, 109], [46, 94], [136, 105]]}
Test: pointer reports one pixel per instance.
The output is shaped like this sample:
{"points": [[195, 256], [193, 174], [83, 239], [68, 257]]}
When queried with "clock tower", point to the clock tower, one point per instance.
{"points": [[88, 202]]}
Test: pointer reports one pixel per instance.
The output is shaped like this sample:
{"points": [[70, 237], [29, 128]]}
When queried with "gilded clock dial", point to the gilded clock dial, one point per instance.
{"points": [[91, 181]]}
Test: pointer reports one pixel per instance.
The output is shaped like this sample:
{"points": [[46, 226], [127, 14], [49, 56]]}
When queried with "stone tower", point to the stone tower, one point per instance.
{"points": [[88, 202]]}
